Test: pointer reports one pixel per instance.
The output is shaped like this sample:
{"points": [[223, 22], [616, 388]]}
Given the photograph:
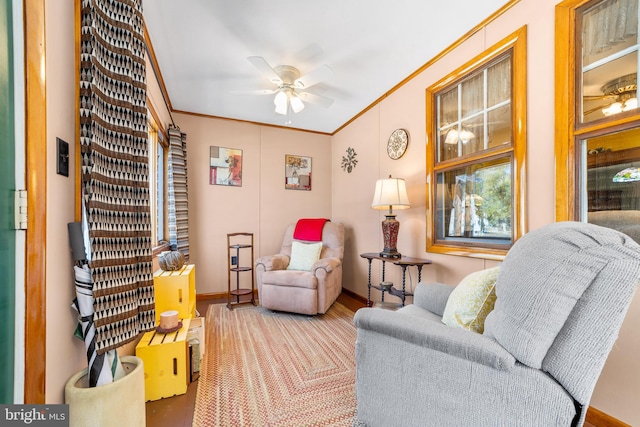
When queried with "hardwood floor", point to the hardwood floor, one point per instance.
{"points": [[177, 411]]}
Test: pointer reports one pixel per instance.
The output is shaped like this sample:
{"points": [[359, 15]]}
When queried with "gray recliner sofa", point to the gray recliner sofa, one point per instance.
{"points": [[562, 294]]}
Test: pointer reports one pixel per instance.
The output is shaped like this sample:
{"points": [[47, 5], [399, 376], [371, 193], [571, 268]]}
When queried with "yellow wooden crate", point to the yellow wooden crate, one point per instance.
{"points": [[166, 362], [176, 290]]}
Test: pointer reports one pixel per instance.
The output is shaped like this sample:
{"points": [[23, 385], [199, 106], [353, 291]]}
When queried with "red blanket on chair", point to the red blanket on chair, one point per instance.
{"points": [[309, 229]]}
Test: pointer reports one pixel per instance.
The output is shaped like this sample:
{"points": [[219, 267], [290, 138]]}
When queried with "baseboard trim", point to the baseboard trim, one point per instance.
{"points": [[218, 295], [355, 296], [212, 295], [600, 419]]}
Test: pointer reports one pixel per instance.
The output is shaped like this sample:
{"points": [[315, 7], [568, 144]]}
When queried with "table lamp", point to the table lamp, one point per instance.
{"points": [[390, 193]]}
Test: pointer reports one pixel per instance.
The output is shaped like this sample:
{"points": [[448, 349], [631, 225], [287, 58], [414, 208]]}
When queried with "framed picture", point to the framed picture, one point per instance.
{"points": [[225, 166], [297, 172]]}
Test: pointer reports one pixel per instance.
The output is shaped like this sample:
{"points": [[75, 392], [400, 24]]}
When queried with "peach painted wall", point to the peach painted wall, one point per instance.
{"points": [[261, 205], [65, 353], [618, 389]]}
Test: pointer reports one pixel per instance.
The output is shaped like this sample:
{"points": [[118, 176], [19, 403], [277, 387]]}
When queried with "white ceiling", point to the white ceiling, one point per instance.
{"points": [[371, 45]]}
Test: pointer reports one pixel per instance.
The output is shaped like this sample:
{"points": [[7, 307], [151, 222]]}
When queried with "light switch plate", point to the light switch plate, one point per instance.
{"points": [[62, 163]]}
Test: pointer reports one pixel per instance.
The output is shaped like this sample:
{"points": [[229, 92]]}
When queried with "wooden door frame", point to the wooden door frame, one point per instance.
{"points": [[36, 181]]}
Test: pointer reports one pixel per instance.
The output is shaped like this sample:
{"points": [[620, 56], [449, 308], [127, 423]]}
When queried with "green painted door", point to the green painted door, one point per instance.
{"points": [[7, 220]]}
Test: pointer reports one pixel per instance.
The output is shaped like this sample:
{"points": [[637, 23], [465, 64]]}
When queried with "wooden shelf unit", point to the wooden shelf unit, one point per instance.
{"points": [[236, 242]]}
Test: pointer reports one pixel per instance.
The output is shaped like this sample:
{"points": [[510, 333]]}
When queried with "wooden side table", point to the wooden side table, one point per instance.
{"points": [[404, 262]]}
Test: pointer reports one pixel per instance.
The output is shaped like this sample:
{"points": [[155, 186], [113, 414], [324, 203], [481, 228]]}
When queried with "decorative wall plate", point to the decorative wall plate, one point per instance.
{"points": [[397, 144]]}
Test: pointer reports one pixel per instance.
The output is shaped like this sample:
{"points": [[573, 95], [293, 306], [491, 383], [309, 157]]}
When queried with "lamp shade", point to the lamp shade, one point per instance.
{"points": [[390, 193], [627, 175]]}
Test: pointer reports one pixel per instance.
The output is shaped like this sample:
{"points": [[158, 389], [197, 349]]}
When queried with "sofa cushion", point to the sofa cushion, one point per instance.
{"points": [[416, 311], [472, 300], [541, 279], [304, 255], [290, 279]]}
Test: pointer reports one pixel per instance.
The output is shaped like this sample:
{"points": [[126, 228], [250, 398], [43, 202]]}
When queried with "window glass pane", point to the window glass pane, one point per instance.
{"points": [[609, 40], [448, 111], [482, 119], [499, 126], [448, 143], [473, 95], [160, 190], [608, 28], [499, 82], [472, 135], [612, 177], [153, 136], [474, 202], [611, 88], [448, 116]]}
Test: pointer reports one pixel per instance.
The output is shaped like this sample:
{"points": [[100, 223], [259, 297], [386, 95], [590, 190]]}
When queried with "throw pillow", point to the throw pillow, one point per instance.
{"points": [[304, 255], [472, 300]]}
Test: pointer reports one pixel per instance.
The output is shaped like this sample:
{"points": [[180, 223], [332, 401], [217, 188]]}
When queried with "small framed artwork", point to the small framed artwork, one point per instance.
{"points": [[225, 166], [297, 172]]}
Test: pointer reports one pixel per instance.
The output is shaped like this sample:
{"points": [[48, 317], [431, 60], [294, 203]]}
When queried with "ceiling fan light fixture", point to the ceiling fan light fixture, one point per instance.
{"points": [[290, 93], [630, 104], [296, 103], [624, 88], [281, 109], [623, 104], [280, 101], [614, 108], [452, 137], [466, 136]]}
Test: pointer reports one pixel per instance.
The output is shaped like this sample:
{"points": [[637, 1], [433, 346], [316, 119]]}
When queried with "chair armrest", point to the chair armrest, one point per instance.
{"points": [[327, 264], [432, 296], [273, 262], [436, 336]]}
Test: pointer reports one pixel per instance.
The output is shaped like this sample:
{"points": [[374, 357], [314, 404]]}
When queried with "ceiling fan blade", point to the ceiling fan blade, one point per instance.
{"points": [[256, 92], [597, 97], [315, 99], [263, 66], [316, 76], [593, 110]]}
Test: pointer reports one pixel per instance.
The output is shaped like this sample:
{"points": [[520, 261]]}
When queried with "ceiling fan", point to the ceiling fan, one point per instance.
{"points": [[621, 93], [291, 86]]}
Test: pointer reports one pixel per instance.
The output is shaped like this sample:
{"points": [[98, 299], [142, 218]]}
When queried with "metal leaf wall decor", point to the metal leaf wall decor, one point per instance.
{"points": [[349, 161]]}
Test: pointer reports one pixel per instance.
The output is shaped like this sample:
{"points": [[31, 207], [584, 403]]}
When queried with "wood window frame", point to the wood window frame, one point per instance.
{"points": [[517, 43], [568, 129], [159, 245]]}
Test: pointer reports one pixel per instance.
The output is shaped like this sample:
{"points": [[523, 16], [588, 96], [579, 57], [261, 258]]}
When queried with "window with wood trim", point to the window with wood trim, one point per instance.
{"points": [[476, 153], [597, 115]]}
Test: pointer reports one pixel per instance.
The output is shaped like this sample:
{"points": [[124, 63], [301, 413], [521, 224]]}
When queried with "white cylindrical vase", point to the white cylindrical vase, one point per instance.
{"points": [[117, 404]]}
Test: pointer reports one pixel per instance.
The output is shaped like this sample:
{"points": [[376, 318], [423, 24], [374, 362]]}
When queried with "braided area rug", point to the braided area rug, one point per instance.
{"points": [[264, 368]]}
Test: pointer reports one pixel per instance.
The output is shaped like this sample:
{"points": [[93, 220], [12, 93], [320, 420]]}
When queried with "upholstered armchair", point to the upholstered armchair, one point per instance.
{"points": [[561, 292], [308, 289]]}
